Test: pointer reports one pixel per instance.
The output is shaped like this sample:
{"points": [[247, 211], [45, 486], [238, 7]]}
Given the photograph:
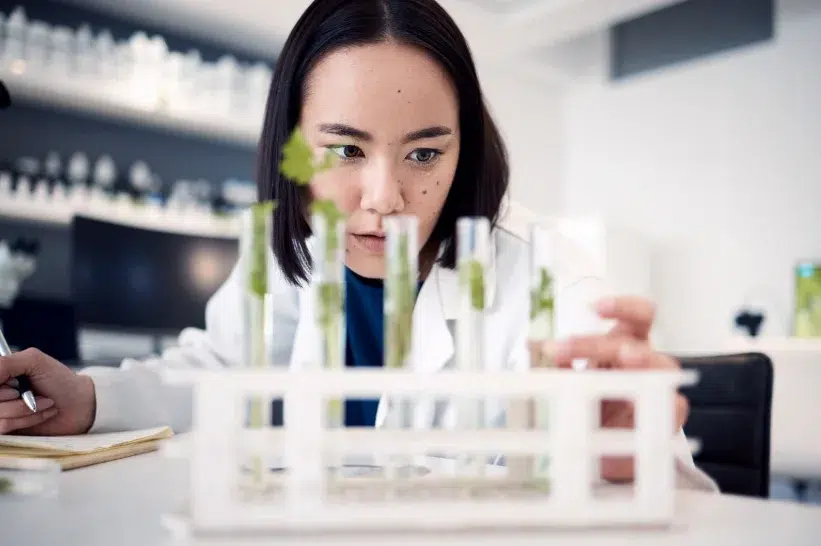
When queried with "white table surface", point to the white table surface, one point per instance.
{"points": [[121, 504]]}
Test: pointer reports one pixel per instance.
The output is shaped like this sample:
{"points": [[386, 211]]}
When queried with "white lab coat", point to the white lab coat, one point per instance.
{"points": [[133, 396]]}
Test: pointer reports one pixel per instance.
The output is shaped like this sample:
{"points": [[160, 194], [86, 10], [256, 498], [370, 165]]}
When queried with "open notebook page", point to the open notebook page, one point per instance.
{"points": [[84, 443]]}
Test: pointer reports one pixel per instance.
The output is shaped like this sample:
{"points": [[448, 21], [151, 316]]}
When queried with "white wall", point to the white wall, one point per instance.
{"points": [[718, 161], [529, 115]]}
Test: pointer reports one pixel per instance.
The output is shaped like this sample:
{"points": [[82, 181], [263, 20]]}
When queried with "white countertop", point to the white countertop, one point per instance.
{"points": [[122, 503]]}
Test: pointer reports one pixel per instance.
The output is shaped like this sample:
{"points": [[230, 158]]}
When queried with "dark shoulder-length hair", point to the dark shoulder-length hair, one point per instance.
{"points": [[482, 172]]}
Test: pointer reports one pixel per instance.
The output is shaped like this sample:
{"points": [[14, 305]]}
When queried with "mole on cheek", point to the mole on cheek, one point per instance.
{"points": [[424, 192], [437, 182]]}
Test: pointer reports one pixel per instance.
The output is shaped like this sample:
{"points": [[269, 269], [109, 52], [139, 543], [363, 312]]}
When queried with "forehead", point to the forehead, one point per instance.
{"points": [[385, 88]]}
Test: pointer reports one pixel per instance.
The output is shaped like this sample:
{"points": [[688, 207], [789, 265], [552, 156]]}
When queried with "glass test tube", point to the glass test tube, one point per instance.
{"points": [[257, 260], [329, 270], [473, 257], [401, 281], [541, 329]]}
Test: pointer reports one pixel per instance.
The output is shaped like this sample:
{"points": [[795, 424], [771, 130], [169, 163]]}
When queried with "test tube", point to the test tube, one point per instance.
{"points": [[329, 270], [543, 254], [541, 328], [401, 278], [257, 261], [473, 257]]}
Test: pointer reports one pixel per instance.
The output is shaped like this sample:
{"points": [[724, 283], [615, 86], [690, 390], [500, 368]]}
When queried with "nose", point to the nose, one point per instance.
{"points": [[381, 190]]}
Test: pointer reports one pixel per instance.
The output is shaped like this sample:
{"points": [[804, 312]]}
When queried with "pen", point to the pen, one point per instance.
{"points": [[21, 383]]}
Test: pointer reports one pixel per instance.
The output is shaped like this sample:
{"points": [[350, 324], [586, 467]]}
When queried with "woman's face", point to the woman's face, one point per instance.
{"points": [[390, 115]]}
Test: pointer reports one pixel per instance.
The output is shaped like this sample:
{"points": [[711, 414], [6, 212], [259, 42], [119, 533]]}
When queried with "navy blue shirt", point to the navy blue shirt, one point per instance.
{"points": [[364, 315], [365, 339]]}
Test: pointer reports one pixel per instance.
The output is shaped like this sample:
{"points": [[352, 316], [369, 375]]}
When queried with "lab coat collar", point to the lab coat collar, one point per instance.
{"points": [[437, 304]]}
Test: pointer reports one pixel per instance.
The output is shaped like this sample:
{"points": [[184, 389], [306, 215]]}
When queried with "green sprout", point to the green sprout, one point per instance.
{"points": [[541, 296], [298, 160], [258, 272], [399, 315], [257, 286], [541, 308], [472, 275], [6, 485], [299, 166]]}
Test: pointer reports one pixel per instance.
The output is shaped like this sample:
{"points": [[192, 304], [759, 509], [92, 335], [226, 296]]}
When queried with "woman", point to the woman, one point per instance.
{"points": [[390, 88]]}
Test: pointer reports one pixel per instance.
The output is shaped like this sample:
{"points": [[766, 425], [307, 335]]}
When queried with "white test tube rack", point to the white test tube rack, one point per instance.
{"points": [[307, 504]]}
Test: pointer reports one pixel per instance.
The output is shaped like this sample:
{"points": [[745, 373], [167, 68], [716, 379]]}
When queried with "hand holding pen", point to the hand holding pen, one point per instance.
{"points": [[21, 384], [65, 401]]}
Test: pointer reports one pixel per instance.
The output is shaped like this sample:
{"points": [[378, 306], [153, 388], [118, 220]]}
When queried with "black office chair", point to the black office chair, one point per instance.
{"points": [[730, 410]]}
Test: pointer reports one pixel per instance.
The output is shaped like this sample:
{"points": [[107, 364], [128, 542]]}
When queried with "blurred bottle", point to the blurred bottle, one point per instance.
{"points": [[61, 59], [85, 65], [15, 40], [37, 45]]}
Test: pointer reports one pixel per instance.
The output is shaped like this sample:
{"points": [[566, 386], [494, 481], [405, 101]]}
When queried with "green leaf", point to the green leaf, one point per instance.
{"points": [[297, 159], [297, 162], [258, 281], [541, 297], [473, 278], [399, 321], [5, 485]]}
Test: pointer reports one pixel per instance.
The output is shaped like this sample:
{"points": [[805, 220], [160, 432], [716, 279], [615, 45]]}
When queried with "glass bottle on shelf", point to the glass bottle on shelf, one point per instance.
{"points": [[15, 40]]}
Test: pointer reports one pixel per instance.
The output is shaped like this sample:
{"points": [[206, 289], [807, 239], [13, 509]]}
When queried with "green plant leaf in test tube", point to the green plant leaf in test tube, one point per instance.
{"points": [[473, 275], [258, 275], [401, 315]]}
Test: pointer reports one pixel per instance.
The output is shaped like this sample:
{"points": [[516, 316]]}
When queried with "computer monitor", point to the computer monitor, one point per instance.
{"points": [[140, 280]]}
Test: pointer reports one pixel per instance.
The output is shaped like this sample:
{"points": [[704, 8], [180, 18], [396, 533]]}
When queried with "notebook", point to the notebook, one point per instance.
{"points": [[86, 449]]}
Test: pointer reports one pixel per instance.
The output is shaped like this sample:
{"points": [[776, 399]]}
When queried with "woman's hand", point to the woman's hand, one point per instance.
{"points": [[627, 347], [66, 401]]}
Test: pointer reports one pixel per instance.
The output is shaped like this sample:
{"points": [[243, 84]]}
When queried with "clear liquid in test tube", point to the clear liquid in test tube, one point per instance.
{"points": [[528, 413], [401, 283], [542, 324], [256, 258], [329, 272], [473, 258]]}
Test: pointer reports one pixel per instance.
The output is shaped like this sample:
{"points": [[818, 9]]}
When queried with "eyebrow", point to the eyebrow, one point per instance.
{"points": [[340, 129]]}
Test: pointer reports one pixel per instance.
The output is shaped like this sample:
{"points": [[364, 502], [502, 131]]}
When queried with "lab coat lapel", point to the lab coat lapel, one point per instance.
{"points": [[436, 311], [306, 353], [433, 324]]}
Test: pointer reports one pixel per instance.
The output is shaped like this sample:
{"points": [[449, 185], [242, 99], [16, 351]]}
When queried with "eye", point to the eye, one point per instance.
{"points": [[424, 155], [346, 151]]}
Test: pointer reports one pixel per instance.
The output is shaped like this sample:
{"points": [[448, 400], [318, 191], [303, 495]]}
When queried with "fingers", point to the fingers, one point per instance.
{"points": [[7, 394], [28, 421], [22, 363], [609, 352], [634, 314], [17, 408]]}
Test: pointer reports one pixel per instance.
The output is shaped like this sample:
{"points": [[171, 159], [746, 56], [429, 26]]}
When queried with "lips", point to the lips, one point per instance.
{"points": [[374, 244]]}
